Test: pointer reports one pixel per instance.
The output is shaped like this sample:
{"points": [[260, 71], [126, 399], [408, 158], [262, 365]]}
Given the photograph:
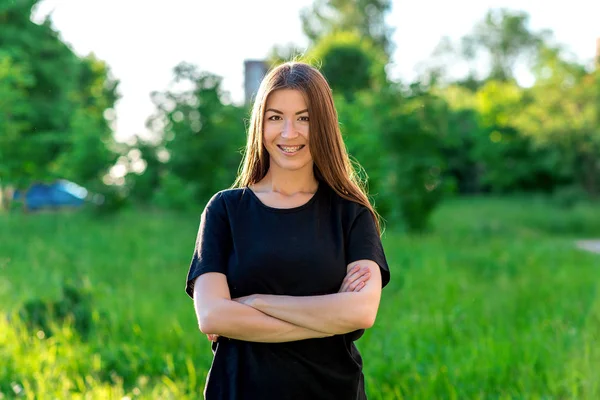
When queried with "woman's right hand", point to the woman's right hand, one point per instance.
{"points": [[212, 337], [355, 279]]}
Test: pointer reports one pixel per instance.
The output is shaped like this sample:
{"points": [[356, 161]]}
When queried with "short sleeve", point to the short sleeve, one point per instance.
{"points": [[364, 243], [213, 242]]}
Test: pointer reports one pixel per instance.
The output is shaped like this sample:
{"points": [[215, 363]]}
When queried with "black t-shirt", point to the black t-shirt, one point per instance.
{"points": [[300, 251]]}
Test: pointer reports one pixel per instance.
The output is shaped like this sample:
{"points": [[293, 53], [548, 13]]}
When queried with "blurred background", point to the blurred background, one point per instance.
{"points": [[476, 124]]}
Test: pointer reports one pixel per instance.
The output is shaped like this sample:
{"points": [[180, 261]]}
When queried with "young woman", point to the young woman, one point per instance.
{"points": [[288, 266]]}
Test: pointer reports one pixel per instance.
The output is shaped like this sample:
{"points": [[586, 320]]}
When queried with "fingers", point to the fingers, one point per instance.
{"points": [[346, 281], [355, 279], [359, 282], [212, 337]]}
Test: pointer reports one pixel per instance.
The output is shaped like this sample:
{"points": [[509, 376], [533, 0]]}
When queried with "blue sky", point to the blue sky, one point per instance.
{"points": [[142, 40]]}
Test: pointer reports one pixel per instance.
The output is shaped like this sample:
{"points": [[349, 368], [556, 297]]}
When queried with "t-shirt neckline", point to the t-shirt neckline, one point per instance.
{"points": [[285, 210]]}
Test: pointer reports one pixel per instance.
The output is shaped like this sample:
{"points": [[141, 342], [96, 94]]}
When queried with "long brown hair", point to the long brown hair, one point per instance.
{"points": [[332, 164]]}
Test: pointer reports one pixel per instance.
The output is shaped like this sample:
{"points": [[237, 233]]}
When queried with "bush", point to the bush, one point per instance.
{"points": [[75, 305], [175, 193], [395, 137], [569, 196]]}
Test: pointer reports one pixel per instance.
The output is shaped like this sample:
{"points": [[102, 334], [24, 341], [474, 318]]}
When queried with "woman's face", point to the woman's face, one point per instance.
{"points": [[285, 130]]}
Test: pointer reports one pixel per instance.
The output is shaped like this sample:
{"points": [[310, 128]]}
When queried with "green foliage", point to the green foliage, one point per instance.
{"points": [[107, 200], [92, 149], [412, 129], [542, 138], [570, 196], [460, 140], [490, 303], [350, 63], [363, 139], [54, 127], [143, 185], [201, 134], [75, 305], [562, 111], [510, 160], [175, 193], [395, 137], [489, 144], [503, 39], [14, 112], [366, 18], [506, 38]]}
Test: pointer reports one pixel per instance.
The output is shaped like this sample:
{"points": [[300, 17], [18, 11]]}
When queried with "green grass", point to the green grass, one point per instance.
{"points": [[494, 303]]}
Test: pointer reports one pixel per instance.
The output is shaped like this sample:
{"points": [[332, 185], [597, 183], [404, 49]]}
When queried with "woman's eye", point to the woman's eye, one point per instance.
{"points": [[274, 118], [304, 118]]}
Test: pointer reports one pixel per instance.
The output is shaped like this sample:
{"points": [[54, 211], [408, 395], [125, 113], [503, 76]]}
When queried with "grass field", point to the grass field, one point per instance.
{"points": [[494, 303]]}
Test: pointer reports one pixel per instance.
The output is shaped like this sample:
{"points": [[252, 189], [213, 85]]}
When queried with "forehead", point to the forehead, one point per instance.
{"points": [[287, 100]]}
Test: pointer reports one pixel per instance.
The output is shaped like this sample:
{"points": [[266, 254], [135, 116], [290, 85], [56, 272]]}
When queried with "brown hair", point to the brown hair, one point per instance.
{"points": [[332, 164]]}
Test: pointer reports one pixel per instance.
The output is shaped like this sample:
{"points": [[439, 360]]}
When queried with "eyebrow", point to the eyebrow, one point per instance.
{"points": [[279, 112]]}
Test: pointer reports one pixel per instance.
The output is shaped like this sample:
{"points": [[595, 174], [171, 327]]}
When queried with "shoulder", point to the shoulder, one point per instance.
{"points": [[226, 200], [229, 195], [347, 209], [342, 203]]}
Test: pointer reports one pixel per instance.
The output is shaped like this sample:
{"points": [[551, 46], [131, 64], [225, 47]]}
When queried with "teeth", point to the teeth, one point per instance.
{"points": [[290, 149]]}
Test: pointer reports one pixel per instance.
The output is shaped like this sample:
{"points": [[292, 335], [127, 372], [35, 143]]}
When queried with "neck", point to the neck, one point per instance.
{"points": [[290, 182]]}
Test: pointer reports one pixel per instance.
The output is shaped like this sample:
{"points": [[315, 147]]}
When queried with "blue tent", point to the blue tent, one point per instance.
{"points": [[59, 194]]}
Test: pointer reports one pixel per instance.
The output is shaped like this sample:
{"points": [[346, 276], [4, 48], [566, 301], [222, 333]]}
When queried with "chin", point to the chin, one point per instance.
{"points": [[293, 165]]}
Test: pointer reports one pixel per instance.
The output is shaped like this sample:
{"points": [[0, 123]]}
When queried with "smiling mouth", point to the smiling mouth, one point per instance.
{"points": [[291, 149]]}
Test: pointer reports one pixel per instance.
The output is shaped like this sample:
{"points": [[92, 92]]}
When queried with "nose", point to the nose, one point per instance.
{"points": [[289, 131]]}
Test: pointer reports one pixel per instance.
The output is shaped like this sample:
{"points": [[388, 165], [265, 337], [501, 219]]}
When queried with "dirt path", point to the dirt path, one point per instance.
{"points": [[589, 245]]}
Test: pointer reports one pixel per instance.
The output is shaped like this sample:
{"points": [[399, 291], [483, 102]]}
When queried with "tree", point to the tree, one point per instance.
{"points": [[395, 135], [15, 80], [201, 135], [462, 137], [349, 63], [363, 17], [562, 111], [486, 148], [54, 103], [504, 36], [511, 161], [90, 145]]}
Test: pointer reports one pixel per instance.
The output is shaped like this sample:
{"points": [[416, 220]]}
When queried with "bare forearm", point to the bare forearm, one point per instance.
{"points": [[233, 320], [333, 313], [338, 313]]}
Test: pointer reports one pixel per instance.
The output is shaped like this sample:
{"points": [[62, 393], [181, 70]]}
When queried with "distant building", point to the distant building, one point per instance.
{"points": [[254, 72]]}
